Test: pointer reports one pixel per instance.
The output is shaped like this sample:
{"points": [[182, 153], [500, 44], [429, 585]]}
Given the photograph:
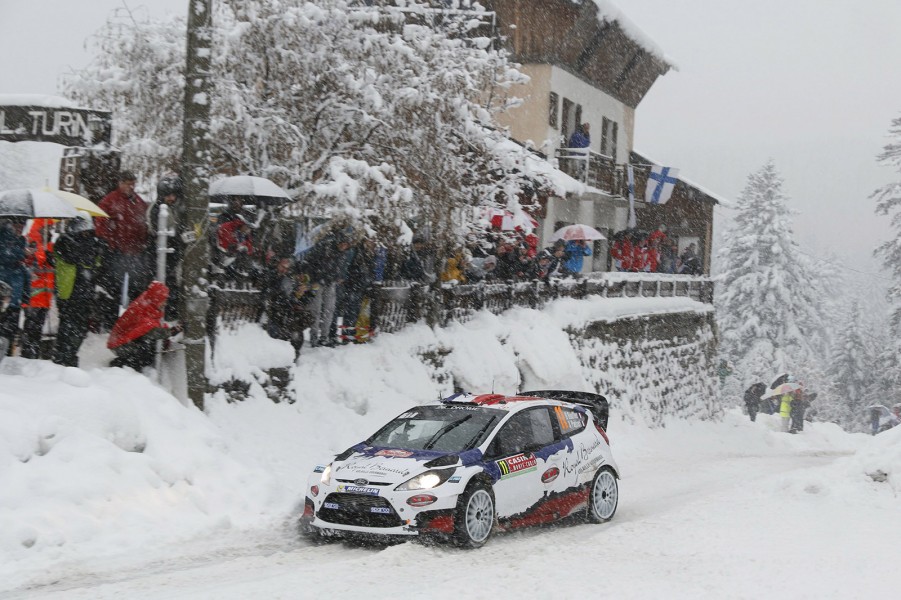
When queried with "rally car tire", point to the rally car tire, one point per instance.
{"points": [[603, 497], [474, 516]]}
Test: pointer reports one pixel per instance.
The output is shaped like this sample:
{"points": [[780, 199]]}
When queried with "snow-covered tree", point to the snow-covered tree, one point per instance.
{"points": [[888, 202], [854, 375], [350, 107], [769, 299]]}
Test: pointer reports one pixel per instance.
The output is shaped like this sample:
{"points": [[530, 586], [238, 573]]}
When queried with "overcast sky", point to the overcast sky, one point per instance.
{"points": [[812, 84]]}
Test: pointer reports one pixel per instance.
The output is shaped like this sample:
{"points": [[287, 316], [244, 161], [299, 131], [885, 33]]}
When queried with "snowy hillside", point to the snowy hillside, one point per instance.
{"points": [[112, 487]]}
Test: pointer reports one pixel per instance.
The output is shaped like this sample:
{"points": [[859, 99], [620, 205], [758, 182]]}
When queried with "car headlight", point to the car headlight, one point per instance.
{"points": [[426, 481], [327, 475]]}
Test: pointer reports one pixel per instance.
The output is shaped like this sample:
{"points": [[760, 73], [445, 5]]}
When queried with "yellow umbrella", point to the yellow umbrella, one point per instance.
{"points": [[79, 202]]}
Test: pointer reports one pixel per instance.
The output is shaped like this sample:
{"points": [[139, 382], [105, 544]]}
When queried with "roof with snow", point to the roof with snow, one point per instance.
{"points": [[609, 12], [592, 39]]}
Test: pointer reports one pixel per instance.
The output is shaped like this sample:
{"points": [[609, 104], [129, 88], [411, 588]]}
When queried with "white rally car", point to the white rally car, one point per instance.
{"points": [[470, 465]]}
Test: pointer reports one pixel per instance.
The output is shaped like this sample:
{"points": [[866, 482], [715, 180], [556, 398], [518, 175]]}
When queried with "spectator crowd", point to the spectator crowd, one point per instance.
{"points": [[637, 251], [317, 289]]}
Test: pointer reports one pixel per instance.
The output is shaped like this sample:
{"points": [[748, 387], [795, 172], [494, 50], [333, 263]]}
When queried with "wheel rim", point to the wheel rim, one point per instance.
{"points": [[604, 495], [479, 515]]}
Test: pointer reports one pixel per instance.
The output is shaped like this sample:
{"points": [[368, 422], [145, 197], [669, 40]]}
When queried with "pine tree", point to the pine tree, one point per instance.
{"points": [[853, 371], [768, 298], [888, 202]]}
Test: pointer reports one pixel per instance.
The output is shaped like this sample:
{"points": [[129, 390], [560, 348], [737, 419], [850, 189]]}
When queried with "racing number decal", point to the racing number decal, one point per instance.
{"points": [[561, 418]]}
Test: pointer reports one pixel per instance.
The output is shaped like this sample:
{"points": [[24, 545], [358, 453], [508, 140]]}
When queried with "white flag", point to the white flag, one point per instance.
{"points": [[661, 182]]}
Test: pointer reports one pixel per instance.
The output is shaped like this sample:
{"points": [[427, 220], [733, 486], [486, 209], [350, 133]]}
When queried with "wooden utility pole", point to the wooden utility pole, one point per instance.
{"points": [[195, 176]]}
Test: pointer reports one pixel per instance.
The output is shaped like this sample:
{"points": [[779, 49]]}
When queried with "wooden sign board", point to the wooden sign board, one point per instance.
{"points": [[66, 126], [89, 172]]}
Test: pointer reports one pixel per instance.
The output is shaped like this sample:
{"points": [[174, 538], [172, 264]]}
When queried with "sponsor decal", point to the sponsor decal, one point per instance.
{"points": [[372, 466], [550, 475], [395, 453], [577, 462], [590, 465], [382, 510], [319, 468], [454, 479], [517, 465], [358, 489], [333, 505]]}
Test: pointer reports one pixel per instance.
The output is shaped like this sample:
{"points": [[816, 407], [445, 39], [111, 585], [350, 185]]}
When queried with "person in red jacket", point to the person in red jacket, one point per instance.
{"points": [[133, 338], [37, 304], [126, 236]]}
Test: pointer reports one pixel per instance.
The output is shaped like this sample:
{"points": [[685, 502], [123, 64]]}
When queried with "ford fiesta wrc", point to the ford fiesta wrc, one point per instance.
{"points": [[468, 466]]}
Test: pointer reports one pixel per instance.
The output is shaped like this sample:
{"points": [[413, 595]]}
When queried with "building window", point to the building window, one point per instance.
{"points": [[609, 133], [572, 116], [613, 134], [604, 141], [553, 108]]}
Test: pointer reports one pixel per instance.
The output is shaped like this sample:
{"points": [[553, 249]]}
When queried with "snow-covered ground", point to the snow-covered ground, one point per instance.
{"points": [[111, 487]]}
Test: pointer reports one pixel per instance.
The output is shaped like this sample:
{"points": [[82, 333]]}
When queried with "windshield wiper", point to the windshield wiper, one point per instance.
{"points": [[478, 436], [438, 434]]}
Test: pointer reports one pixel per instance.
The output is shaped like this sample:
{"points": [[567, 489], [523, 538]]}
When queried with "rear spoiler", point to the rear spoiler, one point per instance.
{"points": [[597, 404]]}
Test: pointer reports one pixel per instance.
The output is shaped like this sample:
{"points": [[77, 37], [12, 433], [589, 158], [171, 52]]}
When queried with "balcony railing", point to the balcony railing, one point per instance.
{"points": [[601, 171]]}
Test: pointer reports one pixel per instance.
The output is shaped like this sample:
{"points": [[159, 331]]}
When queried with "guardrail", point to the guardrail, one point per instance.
{"points": [[395, 304]]}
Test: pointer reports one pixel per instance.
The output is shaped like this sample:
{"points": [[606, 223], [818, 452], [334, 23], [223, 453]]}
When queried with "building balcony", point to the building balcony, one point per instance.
{"points": [[600, 171]]}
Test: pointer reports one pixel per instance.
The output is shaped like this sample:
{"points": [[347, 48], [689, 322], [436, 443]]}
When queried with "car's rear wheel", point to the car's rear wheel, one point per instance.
{"points": [[474, 517], [604, 496]]}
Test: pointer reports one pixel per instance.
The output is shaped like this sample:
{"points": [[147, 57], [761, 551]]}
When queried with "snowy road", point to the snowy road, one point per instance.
{"points": [[704, 513]]}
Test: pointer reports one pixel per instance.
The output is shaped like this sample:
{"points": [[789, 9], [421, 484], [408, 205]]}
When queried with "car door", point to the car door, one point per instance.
{"points": [[516, 460], [581, 457]]}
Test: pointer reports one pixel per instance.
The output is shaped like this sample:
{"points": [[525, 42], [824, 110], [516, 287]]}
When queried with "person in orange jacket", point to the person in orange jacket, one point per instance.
{"points": [[133, 337], [37, 305]]}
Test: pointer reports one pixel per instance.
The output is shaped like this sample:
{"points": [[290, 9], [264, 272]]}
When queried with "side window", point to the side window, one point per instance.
{"points": [[525, 431], [552, 109], [569, 421], [542, 429], [605, 139], [613, 133], [567, 125]]}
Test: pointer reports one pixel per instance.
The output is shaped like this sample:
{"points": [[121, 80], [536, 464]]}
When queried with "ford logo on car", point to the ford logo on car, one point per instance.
{"points": [[361, 481]]}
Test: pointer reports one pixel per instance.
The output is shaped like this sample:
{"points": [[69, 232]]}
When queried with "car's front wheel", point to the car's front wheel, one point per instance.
{"points": [[604, 496], [474, 517]]}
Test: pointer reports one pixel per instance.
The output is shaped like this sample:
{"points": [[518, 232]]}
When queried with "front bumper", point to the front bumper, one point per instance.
{"points": [[328, 528], [343, 514]]}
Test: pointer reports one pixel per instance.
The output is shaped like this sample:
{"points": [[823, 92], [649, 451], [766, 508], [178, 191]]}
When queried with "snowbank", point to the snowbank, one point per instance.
{"points": [[102, 462]]}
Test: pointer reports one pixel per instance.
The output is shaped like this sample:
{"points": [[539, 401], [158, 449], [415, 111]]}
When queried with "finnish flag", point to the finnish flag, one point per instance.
{"points": [[661, 182]]}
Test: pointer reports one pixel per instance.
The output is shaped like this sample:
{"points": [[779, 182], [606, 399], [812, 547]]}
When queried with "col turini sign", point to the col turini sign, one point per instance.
{"points": [[61, 125]]}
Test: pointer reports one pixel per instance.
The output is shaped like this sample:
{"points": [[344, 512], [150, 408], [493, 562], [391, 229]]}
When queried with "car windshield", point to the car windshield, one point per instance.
{"points": [[446, 428]]}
